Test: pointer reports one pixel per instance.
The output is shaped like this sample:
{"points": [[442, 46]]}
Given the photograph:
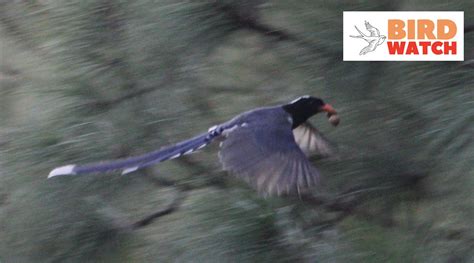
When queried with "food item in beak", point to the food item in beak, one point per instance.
{"points": [[334, 119]]}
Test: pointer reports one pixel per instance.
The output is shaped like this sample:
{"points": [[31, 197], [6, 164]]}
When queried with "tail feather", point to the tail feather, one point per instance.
{"points": [[131, 164], [63, 170]]}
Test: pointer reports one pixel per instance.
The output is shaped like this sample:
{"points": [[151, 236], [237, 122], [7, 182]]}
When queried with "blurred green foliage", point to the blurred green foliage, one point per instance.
{"points": [[82, 81]]}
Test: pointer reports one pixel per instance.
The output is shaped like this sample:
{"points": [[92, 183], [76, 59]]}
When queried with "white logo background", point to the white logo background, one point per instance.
{"points": [[379, 19]]}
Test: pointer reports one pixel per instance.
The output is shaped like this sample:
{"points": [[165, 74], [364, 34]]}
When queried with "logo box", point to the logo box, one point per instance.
{"points": [[403, 36]]}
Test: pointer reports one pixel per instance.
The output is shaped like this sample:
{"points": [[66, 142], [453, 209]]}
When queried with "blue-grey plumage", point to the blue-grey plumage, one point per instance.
{"points": [[264, 153], [266, 147], [131, 164]]}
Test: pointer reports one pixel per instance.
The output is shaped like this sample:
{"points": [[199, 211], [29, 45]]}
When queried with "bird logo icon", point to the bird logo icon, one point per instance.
{"points": [[374, 39]]}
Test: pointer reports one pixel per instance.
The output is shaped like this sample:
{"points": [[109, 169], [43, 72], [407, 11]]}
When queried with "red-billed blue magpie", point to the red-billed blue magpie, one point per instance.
{"points": [[267, 147]]}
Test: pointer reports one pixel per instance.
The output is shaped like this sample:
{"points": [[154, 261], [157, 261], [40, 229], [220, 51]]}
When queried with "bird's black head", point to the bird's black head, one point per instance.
{"points": [[304, 107]]}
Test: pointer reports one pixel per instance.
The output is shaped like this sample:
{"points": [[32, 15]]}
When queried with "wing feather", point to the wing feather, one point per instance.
{"points": [[312, 142], [265, 154], [369, 48], [374, 32]]}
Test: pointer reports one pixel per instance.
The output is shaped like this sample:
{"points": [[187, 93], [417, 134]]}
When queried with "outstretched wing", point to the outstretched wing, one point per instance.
{"points": [[371, 47], [131, 164], [374, 32], [312, 142], [264, 153]]}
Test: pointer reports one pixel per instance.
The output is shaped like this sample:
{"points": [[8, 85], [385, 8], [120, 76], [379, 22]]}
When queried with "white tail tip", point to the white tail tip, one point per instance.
{"points": [[129, 170], [63, 170]]}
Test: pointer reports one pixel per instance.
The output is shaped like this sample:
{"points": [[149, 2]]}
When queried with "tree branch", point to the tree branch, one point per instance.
{"points": [[175, 205], [251, 22], [348, 204]]}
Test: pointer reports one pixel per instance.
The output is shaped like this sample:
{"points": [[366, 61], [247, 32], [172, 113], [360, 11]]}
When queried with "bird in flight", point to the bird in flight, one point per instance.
{"points": [[267, 147], [374, 39]]}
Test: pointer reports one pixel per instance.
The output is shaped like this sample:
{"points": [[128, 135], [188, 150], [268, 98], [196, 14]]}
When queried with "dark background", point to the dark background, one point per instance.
{"points": [[82, 81]]}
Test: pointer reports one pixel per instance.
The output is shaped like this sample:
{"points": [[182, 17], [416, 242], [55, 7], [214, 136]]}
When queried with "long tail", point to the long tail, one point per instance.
{"points": [[360, 32], [131, 164]]}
